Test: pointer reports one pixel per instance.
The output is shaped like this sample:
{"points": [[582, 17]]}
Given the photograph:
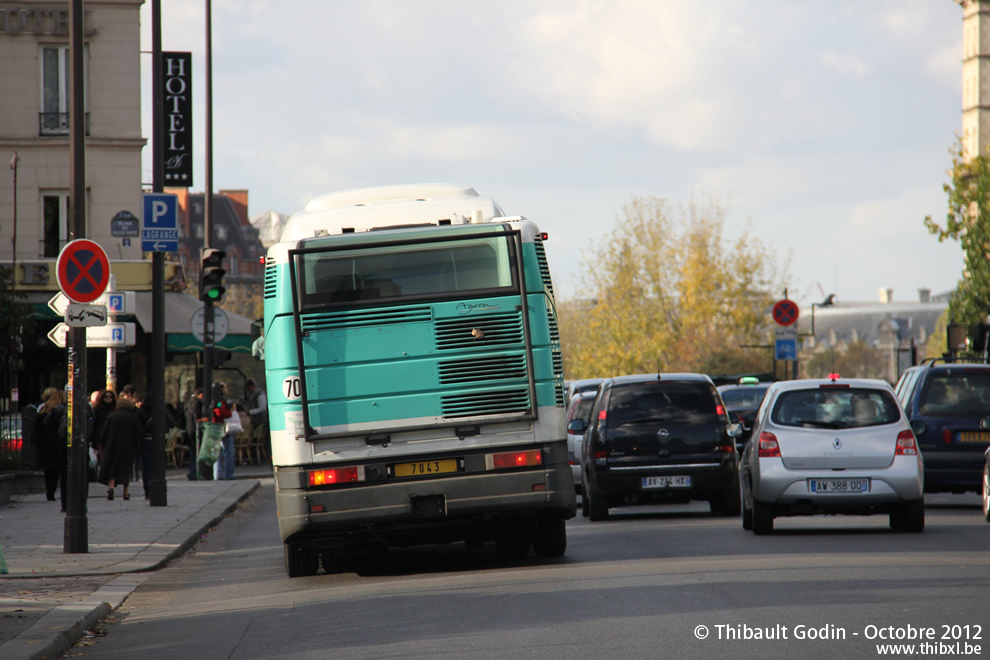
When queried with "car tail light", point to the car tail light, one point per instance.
{"points": [[768, 446], [906, 446], [720, 410], [601, 414], [335, 476], [947, 435], [516, 459], [726, 449]]}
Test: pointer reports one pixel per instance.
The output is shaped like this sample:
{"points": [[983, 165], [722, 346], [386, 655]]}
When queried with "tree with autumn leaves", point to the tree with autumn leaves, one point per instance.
{"points": [[667, 291]]}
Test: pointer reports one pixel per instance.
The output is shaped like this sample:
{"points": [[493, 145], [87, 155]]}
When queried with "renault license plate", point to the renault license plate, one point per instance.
{"points": [[974, 436], [667, 482], [838, 486]]}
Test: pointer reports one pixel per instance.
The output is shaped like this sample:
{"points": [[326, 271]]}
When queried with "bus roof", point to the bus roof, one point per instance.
{"points": [[386, 206]]}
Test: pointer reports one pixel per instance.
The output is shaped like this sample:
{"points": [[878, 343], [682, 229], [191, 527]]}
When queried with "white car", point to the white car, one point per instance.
{"points": [[832, 446], [578, 408]]}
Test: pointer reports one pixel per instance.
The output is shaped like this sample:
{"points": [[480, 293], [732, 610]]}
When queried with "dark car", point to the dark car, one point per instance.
{"points": [[948, 404], [659, 438], [742, 401], [578, 386]]}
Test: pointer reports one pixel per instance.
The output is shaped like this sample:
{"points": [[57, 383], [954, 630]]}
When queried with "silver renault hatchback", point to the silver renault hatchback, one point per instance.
{"points": [[832, 446]]}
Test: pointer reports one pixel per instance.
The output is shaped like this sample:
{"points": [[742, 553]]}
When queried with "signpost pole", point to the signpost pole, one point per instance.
{"points": [[76, 531], [159, 493]]}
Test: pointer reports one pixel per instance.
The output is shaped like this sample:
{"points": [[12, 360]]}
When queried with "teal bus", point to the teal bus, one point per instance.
{"points": [[415, 381]]}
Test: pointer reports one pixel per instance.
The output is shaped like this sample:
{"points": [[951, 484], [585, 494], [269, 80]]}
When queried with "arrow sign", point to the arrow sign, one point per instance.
{"points": [[111, 335], [116, 302]]}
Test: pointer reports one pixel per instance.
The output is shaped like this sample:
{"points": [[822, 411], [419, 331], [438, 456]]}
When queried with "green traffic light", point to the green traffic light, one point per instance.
{"points": [[213, 294]]}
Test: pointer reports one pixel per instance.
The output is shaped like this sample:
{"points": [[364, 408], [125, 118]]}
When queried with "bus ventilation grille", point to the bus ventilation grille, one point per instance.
{"points": [[558, 376], [552, 324], [479, 331], [270, 278], [494, 367], [541, 256], [485, 403], [370, 318]]}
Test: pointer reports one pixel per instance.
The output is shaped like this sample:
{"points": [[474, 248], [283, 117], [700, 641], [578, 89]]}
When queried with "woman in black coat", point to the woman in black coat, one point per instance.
{"points": [[121, 436], [50, 441]]}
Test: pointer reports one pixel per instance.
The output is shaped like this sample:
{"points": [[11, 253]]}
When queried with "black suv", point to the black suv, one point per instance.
{"points": [[655, 439], [946, 401]]}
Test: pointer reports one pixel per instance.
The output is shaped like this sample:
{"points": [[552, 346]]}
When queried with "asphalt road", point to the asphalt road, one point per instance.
{"points": [[649, 583]]}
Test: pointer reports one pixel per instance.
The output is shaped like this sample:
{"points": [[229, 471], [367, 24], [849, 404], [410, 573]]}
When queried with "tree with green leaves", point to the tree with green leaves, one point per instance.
{"points": [[669, 292], [968, 221]]}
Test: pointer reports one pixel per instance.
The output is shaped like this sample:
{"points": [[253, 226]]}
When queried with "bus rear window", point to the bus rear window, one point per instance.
{"points": [[397, 273]]}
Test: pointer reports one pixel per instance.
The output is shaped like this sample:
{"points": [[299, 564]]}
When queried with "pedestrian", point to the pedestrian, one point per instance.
{"points": [[224, 467], [256, 403], [121, 435], [105, 405], [194, 415], [50, 440]]}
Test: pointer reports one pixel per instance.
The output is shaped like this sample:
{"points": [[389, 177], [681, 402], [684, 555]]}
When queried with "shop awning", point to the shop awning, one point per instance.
{"points": [[179, 311]]}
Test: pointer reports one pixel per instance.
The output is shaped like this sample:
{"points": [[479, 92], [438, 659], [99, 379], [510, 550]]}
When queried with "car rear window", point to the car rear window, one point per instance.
{"points": [[581, 409], [670, 402], [957, 393], [743, 397], [839, 408]]}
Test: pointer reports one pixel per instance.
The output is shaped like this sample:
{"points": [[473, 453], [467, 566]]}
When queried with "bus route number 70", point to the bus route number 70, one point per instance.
{"points": [[292, 388]]}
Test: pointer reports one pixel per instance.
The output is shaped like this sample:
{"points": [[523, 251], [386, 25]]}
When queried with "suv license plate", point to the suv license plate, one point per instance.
{"points": [[838, 486], [667, 482]]}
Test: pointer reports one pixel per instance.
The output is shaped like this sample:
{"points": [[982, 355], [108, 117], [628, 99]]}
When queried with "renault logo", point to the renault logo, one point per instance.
{"points": [[837, 444], [663, 434]]}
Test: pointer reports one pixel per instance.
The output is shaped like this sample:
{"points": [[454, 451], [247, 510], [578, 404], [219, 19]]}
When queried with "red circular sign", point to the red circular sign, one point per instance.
{"points": [[785, 312], [83, 270]]}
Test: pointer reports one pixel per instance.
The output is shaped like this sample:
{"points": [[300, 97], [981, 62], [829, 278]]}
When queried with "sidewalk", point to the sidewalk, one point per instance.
{"points": [[50, 598]]}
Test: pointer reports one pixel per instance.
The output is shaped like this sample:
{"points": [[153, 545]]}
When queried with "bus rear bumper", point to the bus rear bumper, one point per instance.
{"points": [[431, 510]]}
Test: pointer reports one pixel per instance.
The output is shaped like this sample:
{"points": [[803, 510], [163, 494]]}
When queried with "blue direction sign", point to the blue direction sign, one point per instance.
{"points": [[786, 349], [160, 226]]}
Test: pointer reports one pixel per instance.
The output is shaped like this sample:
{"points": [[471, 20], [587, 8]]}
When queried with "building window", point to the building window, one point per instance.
{"points": [[221, 232], [55, 223], [55, 84], [235, 266]]}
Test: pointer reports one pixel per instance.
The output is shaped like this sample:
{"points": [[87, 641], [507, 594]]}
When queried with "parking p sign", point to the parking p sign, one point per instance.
{"points": [[160, 225]]}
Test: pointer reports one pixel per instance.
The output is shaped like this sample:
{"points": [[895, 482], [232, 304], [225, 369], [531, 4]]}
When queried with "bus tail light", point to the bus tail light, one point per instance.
{"points": [[517, 459], [335, 476], [906, 445], [768, 446]]}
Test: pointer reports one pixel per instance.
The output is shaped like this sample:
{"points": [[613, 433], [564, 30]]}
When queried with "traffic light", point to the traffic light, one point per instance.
{"points": [[211, 274]]}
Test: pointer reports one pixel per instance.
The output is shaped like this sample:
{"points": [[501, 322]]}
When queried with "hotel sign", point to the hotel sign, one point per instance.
{"points": [[177, 95]]}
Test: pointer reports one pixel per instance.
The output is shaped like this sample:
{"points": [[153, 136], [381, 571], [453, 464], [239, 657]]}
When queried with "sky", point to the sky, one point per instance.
{"points": [[823, 126]]}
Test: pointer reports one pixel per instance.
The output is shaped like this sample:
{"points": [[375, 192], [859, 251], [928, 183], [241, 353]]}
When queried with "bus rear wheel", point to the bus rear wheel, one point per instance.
{"points": [[299, 561]]}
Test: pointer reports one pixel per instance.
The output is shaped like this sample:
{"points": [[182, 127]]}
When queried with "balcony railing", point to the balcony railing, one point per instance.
{"points": [[56, 123]]}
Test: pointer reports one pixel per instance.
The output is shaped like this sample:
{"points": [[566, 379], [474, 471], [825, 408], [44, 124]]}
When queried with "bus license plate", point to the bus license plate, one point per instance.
{"points": [[424, 468], [838, 486], [667, 482]]}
